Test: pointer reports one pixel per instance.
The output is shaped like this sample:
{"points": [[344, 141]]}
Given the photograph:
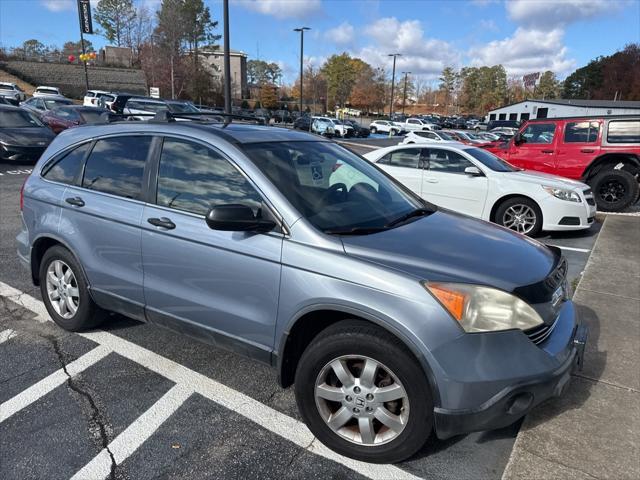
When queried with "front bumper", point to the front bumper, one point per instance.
{"points": [[560, 215], [512, 398], [21, 153]]}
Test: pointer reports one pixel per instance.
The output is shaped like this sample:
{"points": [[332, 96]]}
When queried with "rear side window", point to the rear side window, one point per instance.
{"points": [[66, 169], [194, 178], [116, 165], [581, 132], [624, 131], [408, 158]]}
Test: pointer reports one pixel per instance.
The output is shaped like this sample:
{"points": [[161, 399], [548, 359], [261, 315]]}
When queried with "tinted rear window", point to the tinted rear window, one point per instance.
{"points": [[581, 132], [624, 131], [116, 165], [67, 167]]}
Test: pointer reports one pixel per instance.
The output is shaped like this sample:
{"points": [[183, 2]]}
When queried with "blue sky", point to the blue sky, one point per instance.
{"points": [[524, 35]]}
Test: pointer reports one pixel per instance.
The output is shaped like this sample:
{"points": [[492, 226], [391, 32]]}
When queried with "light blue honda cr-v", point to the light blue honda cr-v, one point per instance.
{"points": [[392, 317]]}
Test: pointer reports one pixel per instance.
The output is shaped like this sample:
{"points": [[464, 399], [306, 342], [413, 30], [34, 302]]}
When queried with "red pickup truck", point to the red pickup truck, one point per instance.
{"points": [[603, 152]]}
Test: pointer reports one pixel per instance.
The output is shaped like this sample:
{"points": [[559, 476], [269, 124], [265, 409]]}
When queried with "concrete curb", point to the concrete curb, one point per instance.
{"points": [[593, 431]]}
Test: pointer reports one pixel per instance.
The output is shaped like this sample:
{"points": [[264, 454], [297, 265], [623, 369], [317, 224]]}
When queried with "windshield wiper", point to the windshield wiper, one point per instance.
{"points": [[418, 212], [356, 231]]}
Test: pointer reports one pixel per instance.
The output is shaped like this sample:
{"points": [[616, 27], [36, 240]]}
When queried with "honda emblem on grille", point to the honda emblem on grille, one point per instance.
{"points": [[557, 296]]}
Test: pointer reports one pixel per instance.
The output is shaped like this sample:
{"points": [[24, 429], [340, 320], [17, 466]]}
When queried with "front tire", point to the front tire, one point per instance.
{"points": [[614, 190], [373, 130], [65, 291], [521, 215], [363, 394]]}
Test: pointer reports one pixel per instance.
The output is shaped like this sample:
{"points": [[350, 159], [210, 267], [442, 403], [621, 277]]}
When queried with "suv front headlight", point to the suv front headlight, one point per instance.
{"points": [[562, 194], [483, 309]]}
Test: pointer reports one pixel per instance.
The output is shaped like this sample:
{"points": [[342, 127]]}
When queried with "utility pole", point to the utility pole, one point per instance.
{"points": [[404, 93], [227, 60], [393, 81], [301, 30]]}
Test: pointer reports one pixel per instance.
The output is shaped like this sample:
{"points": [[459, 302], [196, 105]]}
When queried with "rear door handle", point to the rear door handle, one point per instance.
{"points": [[432, 180], [75, 201], [546, 151], [587, 150], [163, 222]]}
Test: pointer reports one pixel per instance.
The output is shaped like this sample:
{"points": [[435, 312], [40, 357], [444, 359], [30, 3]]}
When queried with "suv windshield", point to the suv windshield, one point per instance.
{"points": [[18, 119], [334, 189], [489, 160]]}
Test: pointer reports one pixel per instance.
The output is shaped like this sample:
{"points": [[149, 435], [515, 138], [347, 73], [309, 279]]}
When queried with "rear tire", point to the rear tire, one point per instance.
{"points": [[65, 291], [521, 215], [354, 344], [373, 130], [614, 190]]}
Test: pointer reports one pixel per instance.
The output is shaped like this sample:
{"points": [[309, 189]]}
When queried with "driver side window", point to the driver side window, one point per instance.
{"points": [[447, 161], [539, 133]]}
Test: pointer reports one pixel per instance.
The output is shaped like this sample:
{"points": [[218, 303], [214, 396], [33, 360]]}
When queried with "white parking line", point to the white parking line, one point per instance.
{"points": [[286, 427], [573, 249], [6, 335], [46, 385], [25, 300], [135, 434]]}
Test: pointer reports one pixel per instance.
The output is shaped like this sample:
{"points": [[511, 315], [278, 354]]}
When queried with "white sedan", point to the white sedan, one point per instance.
{"points": [[473, 181]]}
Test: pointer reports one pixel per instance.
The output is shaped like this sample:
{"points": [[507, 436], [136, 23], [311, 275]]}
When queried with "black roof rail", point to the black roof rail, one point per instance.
{"points": [[165, 116]]}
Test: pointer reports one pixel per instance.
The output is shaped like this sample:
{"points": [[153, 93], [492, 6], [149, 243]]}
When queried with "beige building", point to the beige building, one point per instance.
{"points": [[214, 61]]}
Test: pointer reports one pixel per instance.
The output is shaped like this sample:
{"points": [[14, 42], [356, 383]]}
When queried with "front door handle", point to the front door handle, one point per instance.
{"points": [[546, 151], [163, 222], [431, 180], [75, 201], [587, 150]]}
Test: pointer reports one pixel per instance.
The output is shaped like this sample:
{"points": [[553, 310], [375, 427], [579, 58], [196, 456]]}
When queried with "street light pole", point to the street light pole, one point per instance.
{"points": [[404, 94], [393, 81], [227, 61], [301, 30]]}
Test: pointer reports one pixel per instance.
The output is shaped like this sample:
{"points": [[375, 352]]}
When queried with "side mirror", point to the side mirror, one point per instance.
{"points": [[237, 218], [517, 139], [473, 171]]}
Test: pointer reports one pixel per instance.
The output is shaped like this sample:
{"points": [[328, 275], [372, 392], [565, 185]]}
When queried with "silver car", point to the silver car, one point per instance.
{"points": [[393, 318]]}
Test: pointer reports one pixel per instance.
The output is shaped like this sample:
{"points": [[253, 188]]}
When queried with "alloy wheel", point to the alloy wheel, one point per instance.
{"points": [[519, 217], [62, 289], [361, 400], [611, 191]]}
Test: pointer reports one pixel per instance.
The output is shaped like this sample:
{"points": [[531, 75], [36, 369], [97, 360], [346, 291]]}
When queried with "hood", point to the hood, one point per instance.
{"points": [[446, 246], [26, 137], [547, 179]]}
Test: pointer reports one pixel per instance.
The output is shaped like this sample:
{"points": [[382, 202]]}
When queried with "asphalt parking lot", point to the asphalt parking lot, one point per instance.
{"points": [[135, 401]]}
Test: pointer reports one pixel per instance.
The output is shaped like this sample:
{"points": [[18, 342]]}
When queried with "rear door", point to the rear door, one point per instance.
{"points": [[537, 150], [405, 166], [577, 147], [446, 184], [221, 284], [101, 220]]}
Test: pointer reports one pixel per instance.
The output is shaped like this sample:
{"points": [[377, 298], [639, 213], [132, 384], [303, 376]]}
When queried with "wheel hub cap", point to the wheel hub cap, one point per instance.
{"points": [[361, 400], [62, 289], [520, 218]]}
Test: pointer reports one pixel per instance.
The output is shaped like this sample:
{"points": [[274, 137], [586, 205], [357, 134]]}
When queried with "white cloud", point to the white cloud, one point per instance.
{"points": [[283, 8], [549, 15], [341, 35], [420, 55], [527, 50], [58, 5]]}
